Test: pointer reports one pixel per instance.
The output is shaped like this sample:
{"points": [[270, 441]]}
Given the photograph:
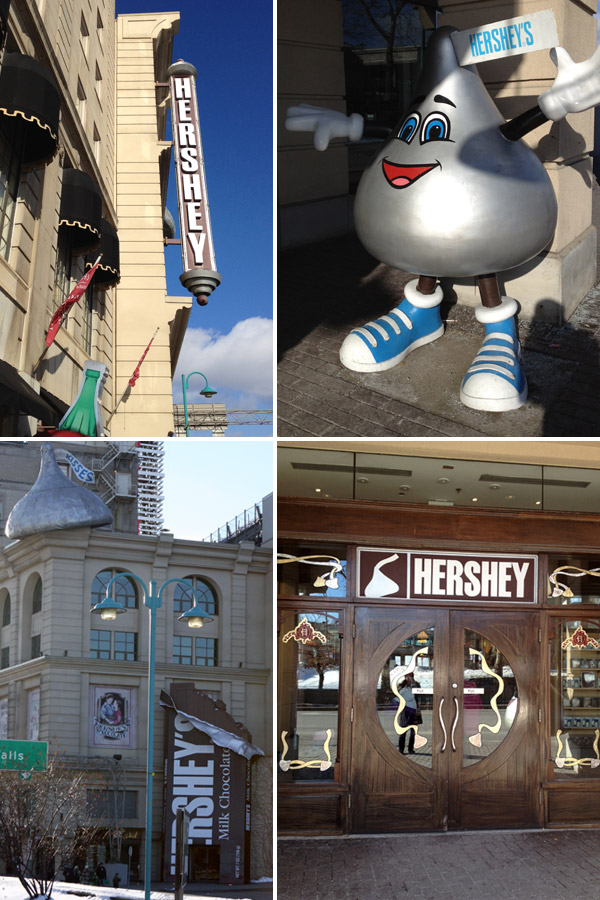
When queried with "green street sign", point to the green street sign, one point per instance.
{"points": [[24, 756]]}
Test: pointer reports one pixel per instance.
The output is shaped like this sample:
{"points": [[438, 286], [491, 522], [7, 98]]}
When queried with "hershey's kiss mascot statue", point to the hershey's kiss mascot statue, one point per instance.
{"points": [[454, 192]]}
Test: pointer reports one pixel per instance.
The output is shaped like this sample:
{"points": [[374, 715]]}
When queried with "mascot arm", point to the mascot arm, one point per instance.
{"points": [[325, 123], [576, 87]]}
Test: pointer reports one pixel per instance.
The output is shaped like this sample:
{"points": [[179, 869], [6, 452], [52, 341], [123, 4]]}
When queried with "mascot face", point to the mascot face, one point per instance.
{"points": [[448, 194]]}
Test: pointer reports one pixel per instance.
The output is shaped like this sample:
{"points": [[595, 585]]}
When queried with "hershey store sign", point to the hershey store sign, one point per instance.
{"points": [[199, 268], [416, 575]]}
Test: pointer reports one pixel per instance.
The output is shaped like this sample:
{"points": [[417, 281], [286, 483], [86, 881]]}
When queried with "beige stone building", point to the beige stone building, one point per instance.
{"points": [[100, 118], [59, 662], [314, 188]]}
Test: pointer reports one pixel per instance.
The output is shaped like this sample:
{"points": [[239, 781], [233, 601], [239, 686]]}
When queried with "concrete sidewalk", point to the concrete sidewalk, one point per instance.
{"points": [[328, 288], [547, 865]]}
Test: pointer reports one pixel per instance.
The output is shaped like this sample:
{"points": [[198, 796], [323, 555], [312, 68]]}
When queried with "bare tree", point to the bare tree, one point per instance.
{"points": [[41, 814], [388, 22]]}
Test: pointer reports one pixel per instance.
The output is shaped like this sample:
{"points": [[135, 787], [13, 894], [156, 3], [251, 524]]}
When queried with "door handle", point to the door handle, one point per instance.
{"points": [[442, 724], [454, 724]]}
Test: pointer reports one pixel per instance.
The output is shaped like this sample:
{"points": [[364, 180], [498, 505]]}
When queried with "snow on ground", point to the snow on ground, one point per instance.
{"points": [[11, 889]]}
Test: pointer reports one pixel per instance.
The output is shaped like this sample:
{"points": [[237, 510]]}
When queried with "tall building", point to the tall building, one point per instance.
{"points": [[80, 682], [85, 159], [150, 480]]}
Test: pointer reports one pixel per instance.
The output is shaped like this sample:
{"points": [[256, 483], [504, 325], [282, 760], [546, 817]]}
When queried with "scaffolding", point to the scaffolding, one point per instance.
{"points": [[247, 526], [108, 486], [150, 482]]}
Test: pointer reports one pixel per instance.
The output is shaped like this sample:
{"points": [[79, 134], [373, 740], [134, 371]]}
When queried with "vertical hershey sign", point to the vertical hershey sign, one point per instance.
{"points": [[199, 268]]}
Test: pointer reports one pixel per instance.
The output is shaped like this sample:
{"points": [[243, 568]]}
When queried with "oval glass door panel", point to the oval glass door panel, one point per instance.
{"points": [[405, 701], [490, 699]]}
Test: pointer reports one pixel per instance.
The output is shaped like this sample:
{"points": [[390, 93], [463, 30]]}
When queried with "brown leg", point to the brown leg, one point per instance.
{"points": [[426, 284], [488, 289]]}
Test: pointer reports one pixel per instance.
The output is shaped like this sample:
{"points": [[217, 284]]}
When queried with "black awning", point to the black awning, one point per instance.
{"points": [[108, 273], [4, 10], [16, 396], [57, 405], [29, 107], [80, 210]]}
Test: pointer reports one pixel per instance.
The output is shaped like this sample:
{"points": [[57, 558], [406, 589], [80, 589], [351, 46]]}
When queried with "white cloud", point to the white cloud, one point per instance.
{"points": [[238, 362]]}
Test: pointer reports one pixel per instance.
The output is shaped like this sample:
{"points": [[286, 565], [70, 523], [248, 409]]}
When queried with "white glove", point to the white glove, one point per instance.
{"points": [[576, 87], [326, 123]]}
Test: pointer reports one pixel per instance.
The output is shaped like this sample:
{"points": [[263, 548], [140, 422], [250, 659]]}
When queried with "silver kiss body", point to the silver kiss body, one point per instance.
{"points": [[486, 206]]}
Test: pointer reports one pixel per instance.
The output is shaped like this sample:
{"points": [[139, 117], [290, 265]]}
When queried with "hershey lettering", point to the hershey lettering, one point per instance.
{"points": [[193, 214], [439, 577], [193, 786]]}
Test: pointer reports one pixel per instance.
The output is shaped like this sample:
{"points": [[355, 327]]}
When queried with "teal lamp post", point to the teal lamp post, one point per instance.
{"points": [[207, 392], [109, 609]]}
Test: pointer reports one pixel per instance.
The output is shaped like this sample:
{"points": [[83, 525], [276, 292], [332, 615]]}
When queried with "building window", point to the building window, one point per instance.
{"points": [[100, 29], [84, 36], [98, 83], [184, 599], [206, 651], [87, 310], [104, 804], [36, 602], [182, 649], [10, 174], [64, 265], [125, 645], [123, 590], [81, 101], [97, 145], [100, 644], [5, 658], [6, 611], [36, 646]]}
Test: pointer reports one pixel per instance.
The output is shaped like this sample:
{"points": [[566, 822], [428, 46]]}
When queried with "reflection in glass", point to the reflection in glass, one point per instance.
{"points": [[309, 663], [490, 698], [575, 698], [405, 697]]}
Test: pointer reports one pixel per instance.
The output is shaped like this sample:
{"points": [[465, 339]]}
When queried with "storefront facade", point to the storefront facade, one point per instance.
{"points": [[442, 670]]}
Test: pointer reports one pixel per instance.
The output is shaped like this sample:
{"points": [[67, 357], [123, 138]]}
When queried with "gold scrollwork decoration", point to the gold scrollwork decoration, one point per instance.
{"points": [[420, 740], [568, 762], [316, 559], [559, 588], [303, 633], [475, 739], [322, 764]]}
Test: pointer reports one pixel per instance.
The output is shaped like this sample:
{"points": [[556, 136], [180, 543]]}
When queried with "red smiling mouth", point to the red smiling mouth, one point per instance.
{"points": [[403, 176]]}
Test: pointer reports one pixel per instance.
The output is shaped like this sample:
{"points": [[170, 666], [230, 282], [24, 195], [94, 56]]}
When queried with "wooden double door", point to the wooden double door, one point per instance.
{"points": [[468, 756]]}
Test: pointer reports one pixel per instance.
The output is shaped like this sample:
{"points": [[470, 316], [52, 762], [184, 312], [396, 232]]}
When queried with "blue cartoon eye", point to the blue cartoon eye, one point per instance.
{"points": [[408, 128], [436, 127]]}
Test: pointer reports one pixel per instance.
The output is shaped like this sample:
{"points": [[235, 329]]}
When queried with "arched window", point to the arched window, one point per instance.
{"points": [[123, 590], [36, 599], [6, 610], [207, 596]]}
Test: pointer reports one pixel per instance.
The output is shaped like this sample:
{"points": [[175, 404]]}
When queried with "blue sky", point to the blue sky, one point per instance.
{"points": [[207, 483], [230, 340]]}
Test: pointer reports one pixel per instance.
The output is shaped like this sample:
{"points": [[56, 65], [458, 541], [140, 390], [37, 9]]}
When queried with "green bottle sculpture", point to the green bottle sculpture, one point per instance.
{"points": [[84, 416]]}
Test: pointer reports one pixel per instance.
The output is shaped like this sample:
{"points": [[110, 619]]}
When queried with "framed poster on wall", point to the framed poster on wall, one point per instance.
{"points": [[113, 717]]}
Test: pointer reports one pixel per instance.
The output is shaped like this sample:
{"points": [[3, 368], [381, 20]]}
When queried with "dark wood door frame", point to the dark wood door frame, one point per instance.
{"points": [[391, 793]]}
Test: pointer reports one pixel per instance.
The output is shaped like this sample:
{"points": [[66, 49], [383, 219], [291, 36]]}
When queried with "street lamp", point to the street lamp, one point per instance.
{"points": [[108, 608], [207, 392]]}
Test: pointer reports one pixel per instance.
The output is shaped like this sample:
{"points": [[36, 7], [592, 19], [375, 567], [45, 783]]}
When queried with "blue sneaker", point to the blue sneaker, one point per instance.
{"points": [[384, 343], [495, 380]]}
